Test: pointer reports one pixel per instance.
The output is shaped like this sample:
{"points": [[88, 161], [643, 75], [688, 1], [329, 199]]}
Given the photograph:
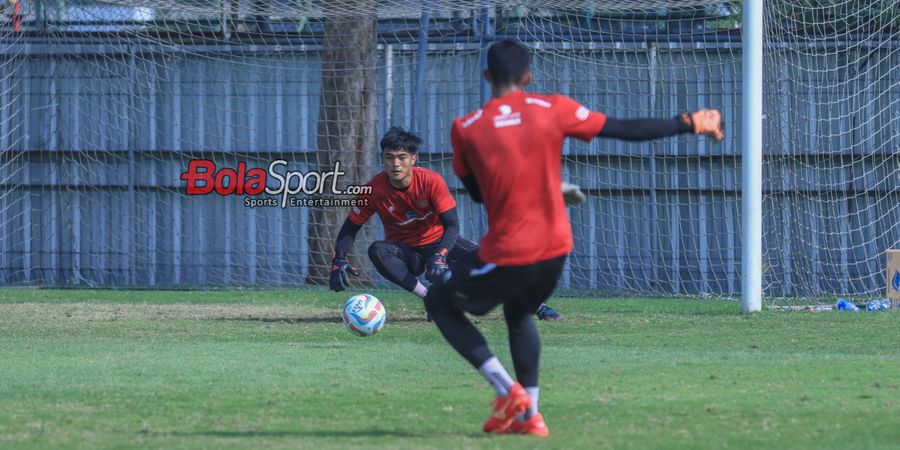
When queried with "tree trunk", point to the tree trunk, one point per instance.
{"points": [[346, 130]]}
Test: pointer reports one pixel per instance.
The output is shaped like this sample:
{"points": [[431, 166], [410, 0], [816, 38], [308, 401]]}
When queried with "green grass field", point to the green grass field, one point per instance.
{"points": [[245, 369]]}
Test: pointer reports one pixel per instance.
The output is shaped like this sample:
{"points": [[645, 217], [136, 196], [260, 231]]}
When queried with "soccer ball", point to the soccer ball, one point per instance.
{"points": [[363, 315]]}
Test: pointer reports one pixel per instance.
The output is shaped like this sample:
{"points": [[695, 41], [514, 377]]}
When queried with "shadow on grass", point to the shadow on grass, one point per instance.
{"points": [[675, 312], [315, 433], [304, 320]]}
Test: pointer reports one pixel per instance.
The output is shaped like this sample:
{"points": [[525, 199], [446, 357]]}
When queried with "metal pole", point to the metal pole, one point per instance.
{"points": [[389, 84], [226, 20], [654, 250], [487, 36], [752, 157], [128, 232], [422, 55]]}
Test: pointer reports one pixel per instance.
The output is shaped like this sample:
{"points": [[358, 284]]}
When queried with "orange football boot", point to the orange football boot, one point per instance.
{"points": [[506, 408], [534, 426]]}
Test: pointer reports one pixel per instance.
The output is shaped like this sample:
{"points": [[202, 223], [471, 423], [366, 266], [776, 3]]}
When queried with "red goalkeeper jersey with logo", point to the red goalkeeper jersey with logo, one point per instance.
{"points": [[410, 216], [513, 146]]}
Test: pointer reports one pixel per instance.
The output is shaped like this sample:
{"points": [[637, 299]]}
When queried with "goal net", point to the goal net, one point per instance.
{"points": [[106, 103]]}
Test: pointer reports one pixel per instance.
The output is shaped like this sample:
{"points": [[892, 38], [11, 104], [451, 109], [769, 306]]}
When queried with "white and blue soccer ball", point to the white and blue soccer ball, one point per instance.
{"points": [[364, 315]]}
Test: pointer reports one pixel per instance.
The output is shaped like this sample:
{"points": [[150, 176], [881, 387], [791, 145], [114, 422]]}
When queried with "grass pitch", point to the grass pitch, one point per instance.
{"points": [[123, 369]]}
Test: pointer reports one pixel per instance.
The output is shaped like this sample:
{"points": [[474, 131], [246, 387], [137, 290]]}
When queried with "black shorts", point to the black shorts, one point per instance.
{"points": [[416, 257], [479, 287]]}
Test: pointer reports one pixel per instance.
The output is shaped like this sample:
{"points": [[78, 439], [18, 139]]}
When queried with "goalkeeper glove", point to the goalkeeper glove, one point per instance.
{"points": [[572, 194], [339, 279], [705, 121], [436, 266]]}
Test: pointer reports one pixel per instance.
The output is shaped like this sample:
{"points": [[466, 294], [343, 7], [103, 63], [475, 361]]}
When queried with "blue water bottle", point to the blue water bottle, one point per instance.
{"points": [[846, 305]]}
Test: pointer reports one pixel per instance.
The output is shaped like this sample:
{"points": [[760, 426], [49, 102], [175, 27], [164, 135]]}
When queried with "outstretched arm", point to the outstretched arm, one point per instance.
{"points": [[704, 121], [642, 129]]}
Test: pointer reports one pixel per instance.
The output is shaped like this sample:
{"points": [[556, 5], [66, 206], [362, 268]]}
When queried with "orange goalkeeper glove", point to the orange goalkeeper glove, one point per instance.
{"points": [[705, 121]]}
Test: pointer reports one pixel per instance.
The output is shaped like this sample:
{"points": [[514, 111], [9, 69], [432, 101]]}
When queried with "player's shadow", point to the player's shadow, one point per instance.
{"points": [[308, 320], [318, 433], [291, 320], [644, 312]]}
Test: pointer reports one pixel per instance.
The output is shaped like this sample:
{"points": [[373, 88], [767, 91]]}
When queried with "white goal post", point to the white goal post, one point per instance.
{"points": [[752, 127]]}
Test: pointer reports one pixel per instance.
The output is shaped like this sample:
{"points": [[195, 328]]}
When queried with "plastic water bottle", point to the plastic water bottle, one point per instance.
{"points": [[878, 305], [846, 305]]}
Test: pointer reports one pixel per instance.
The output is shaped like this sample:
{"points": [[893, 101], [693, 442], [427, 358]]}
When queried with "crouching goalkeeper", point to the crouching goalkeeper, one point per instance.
{"points": [[421, 225]]}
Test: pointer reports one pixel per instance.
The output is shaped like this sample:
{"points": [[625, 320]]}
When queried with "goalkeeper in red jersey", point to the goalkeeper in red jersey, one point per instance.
{"points": [[508, 154], [420, 221]]}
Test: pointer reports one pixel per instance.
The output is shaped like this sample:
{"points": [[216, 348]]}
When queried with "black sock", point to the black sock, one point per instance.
{"points": [[524, 344]]}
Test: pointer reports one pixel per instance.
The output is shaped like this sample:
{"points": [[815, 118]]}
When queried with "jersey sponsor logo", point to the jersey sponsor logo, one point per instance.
{"points": [[356, 210], [582, 113], [507, 117], [537, 101], [510, 122], [411, 217], [466, 123]]}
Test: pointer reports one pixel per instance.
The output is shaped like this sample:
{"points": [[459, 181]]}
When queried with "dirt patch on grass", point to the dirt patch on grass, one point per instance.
{"points": [[85, 312], [110, 311]]}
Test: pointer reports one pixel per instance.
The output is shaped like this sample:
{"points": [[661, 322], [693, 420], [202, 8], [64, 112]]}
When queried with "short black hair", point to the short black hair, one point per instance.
{"points": [[508, 61], [397, 137]]}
